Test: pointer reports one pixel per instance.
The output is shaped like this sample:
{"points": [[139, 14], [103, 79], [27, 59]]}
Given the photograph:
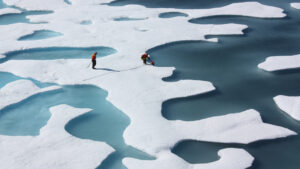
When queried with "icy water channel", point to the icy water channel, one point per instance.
{"points": [[231, 65]]}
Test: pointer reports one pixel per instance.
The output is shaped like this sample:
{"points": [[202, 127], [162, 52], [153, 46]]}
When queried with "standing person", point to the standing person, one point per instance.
{"points": [[94, 59]]}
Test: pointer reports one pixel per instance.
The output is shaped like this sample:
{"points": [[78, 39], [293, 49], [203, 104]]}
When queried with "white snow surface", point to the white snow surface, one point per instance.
{"points": [[142, 100], [19, 90], [295, 5], [123, 36], [36, 4], [275, 63], [5, 11], [289, 104], [230, 158], [138, 90], [54, 147]]}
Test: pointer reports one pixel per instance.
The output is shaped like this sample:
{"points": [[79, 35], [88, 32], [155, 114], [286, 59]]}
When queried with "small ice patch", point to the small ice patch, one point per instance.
{"points": [[275, 63], [295, 5], [289, 104]]}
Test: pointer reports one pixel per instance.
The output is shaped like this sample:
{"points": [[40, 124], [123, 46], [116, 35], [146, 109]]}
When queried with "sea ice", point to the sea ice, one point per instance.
{"points": [[289, 104], [37, 5], [19, 90], [230, 158], [54, 147], [106, 32], [138, 90], [295, 5], [275, 63]]}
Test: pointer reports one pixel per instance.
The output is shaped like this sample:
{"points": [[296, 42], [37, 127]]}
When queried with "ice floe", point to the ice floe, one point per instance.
{"points": [[5, 11], [54, 147], [229, 158], [123, 36], [36, 5], [138, 90], [142, 100], [19, 90], [275, 63], [289, 104], [295, 5]]}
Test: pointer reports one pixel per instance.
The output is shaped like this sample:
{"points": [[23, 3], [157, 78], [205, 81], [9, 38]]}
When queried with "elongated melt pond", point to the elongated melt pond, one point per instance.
{"points": [[41, 34], [57, 53], [231, 65], [172, 15]]}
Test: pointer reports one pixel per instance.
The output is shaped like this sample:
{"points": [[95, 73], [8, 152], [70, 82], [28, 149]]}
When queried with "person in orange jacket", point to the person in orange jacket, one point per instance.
{"points": [[94, 59]]}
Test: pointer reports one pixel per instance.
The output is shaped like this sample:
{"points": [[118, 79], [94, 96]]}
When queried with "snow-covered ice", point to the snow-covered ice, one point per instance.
{"points": [[19, 90], [138, 90], [147, 97], [106, 32], [229, 158], [295, 5], [289, 104], [36, 4], [275, 63], [54, 147]]}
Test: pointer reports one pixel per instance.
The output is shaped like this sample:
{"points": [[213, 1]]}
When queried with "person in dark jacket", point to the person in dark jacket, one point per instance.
{"points": [[146, 57]]}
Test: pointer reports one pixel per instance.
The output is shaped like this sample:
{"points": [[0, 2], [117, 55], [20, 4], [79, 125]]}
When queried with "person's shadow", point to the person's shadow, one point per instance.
{"points": [[107, 69]]}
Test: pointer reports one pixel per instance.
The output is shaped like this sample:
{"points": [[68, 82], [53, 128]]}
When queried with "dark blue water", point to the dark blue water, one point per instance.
{"points": [[57, 53], [41, 34], [231, 65], [172, 14]]}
